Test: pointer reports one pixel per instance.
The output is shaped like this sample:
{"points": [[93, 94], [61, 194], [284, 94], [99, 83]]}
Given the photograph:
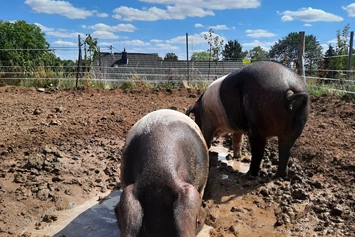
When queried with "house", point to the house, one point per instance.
{"points": [[148, 66]]}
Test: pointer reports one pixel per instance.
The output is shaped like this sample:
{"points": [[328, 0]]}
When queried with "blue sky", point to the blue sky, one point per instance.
{"points": [[160, 26]]}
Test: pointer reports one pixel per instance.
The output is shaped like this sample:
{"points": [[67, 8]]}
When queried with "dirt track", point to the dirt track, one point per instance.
{"points": [[58, 148]]}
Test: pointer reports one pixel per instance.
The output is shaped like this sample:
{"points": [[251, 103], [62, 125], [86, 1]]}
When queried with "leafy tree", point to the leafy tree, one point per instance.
{"points": [[23, 44], [170, 57], [200, 56], [286, 50], [92, 47], [342, 51], [258, 53], [329, 61], [233, 50], [342, 48], [215, 45], [215, 49]]}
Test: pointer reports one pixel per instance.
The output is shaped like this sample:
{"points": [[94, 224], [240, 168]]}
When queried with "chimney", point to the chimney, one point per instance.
{"points": [[124, 57]]}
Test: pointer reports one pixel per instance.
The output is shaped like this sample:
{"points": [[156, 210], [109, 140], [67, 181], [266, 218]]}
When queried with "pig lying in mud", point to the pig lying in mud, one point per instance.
{"points": [[263, 99], [164, 172]]}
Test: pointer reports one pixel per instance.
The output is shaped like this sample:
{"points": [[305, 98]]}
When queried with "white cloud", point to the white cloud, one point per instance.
{"points": [[102, 34], [219, 27], [101, 14], [307, 25], [64, 34], [156, 41], [180, 9], [350, 9], [193, 39], [286, 18], [198, 25], [116, 28], [64, 43], [265, 45], [58, 7], [44, 28], [154, 13], [310, 15], [333, 41], [259, 33], [166, 46], [210, 4], [135, 43]]}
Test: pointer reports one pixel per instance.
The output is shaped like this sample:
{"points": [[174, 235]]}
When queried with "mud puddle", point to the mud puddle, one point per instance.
{"points": [[223, 153]]}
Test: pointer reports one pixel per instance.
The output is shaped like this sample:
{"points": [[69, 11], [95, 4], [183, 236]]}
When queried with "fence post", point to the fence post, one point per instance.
{"points": [[187, 56], [350, 53], [300, 58], [78, 72]]}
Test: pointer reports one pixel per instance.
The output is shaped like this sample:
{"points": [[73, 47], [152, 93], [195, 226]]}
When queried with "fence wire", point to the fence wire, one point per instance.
{"points": [[317, 76]]}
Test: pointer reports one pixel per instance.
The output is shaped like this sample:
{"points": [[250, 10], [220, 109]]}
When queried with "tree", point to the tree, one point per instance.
{"points": [[342, 48], [258, 53], [286, 50], [329, 61], [215, 45], [233, 50], [92, 48], [23, 44], [200, 56], [170, 57], [215, 49]]}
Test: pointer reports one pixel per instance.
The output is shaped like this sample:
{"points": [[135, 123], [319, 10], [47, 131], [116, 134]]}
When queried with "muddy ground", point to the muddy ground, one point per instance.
{"points": [[60, 147]]}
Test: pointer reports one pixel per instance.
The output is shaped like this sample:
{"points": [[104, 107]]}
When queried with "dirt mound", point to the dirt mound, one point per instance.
{"points": [[60, 147]]}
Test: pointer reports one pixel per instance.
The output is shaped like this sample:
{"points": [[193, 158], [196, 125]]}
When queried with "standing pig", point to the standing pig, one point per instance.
{"points": [[263, 99], [164, 173]]}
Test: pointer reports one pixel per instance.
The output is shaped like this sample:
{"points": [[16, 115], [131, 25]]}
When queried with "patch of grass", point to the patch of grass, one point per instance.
{"points": [[318, 91], [199, 85], [128, 85]]}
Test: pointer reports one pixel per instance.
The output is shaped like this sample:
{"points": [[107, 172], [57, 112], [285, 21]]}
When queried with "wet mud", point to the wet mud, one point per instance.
{"points": [[59, 149]]}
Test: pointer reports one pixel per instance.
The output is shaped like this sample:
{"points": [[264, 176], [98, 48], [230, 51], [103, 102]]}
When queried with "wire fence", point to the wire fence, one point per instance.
{"points": [[318, 75]]}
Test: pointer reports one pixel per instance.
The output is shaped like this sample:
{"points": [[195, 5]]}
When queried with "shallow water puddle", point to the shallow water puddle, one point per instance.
{"points": [[92, 219], [223, 153]]}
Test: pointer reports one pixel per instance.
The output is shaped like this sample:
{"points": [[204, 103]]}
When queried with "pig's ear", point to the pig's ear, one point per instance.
{"points": [[129, 213], [190, 110], [186, 210], [195, 108]]}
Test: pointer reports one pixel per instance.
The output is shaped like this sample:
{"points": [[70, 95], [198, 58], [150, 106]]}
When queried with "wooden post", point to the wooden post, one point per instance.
{"points": [[300, 58], [78, 72], [187, 56], [350, 53]]}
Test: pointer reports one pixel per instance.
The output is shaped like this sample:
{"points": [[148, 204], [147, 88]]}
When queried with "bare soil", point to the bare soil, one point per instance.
{"points": [[58, 148]]}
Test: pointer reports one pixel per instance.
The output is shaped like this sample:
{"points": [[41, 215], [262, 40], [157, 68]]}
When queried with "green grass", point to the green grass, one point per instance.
{"points": [[135, 82]]}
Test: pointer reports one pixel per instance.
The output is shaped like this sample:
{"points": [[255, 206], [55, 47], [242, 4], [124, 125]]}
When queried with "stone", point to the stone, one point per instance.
{"points": [[37, 112], [238, 209], [337, 210], [43, 194], [264, 192], [299, 194], [185, 84]]}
